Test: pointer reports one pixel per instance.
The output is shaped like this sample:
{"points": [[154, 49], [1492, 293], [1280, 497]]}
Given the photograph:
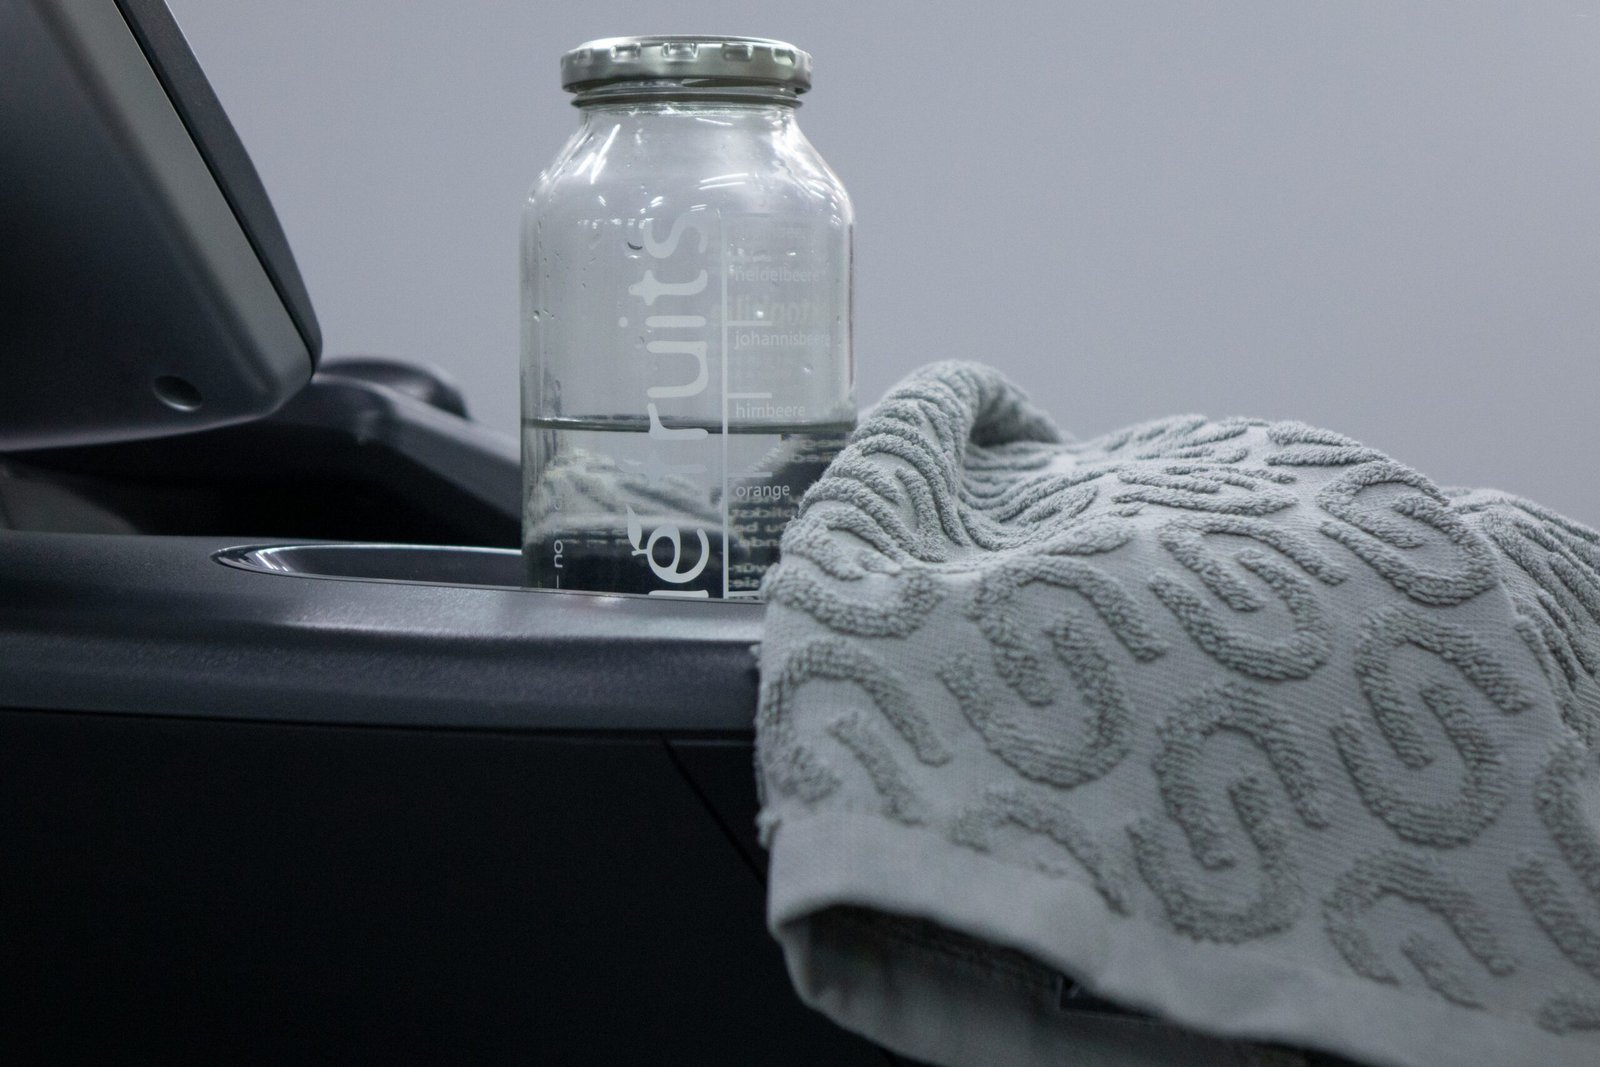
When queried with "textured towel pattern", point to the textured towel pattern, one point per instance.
{"points": [[1240, 724]]}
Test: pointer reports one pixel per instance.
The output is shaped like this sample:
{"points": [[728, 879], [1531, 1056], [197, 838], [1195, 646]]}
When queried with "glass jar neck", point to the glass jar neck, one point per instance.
{"points": [[657, 94]]}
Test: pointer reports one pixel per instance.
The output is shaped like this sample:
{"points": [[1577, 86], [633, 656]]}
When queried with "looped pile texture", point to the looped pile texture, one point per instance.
{"points": [[1237, 724]]}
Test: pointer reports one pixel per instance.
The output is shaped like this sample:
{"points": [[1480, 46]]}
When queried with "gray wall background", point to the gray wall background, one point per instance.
{"points": [[1382, 218]]}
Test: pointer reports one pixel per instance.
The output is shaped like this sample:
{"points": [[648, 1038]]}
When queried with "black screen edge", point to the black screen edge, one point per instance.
{"points": [[192, 97]]}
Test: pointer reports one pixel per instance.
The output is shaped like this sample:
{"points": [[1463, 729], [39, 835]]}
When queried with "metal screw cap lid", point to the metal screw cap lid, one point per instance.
{"points": [[734, 60]]}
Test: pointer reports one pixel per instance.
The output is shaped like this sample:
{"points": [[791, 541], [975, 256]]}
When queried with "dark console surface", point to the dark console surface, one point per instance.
{"points": [[257, 814], [156, 625]]}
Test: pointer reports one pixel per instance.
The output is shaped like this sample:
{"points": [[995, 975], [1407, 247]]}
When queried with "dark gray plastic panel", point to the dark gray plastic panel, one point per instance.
{"points": [[133, 302], [155, 625], [194, 891], [169, 57], [344, 460]]}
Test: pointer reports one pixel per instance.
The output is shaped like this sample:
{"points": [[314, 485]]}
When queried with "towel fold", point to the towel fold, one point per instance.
{"points": [[1202, 742]]}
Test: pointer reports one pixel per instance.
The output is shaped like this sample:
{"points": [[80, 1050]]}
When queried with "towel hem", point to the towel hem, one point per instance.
{"points": [[948, 1013]]}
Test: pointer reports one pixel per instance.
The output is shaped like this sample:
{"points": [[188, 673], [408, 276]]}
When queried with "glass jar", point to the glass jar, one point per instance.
{"points": [[687, 370]]}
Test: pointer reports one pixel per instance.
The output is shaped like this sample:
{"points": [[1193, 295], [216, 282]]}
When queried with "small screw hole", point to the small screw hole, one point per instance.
{"points": [[177, 393]]}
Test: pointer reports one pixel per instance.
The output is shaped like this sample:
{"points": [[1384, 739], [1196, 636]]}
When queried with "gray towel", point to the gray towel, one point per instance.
{"points": [[1238, 727]]}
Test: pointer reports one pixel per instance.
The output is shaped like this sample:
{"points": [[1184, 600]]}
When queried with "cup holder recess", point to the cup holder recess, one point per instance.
{"points": [[412, 564]]}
